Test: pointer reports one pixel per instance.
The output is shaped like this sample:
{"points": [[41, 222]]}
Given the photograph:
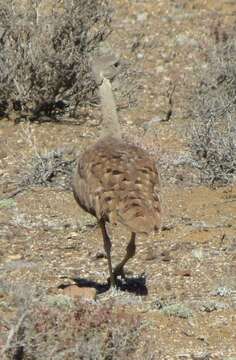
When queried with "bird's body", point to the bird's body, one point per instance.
{"points": [[118, 182]]}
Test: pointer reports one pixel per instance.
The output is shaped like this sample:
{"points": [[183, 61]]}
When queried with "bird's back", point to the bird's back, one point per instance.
{"points": [[119, 182]]}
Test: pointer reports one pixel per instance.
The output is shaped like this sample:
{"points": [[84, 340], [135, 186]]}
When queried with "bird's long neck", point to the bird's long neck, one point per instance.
{"points": [[110, 125]]}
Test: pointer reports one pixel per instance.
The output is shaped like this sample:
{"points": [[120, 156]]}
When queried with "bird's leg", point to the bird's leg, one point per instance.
{"points": [[107, 247], [130, 252]]}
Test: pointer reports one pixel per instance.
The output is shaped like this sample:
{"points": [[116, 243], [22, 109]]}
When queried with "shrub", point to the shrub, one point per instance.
{"points": [[177, 310], [44, 54], [52, 168], [213, 105], [86, 331]]}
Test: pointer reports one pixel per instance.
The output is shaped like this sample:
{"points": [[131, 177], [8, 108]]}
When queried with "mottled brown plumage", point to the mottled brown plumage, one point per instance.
{"points": [[117, 182]]}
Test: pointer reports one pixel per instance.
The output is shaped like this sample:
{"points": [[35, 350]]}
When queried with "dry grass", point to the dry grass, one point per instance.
{"points": [[213, 107], [46, 168], [57, 327], [44, 62], [52, 168]]}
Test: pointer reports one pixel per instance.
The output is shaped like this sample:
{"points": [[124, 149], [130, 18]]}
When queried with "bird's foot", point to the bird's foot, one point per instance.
{"points": [[112, 280], [119, 271]]}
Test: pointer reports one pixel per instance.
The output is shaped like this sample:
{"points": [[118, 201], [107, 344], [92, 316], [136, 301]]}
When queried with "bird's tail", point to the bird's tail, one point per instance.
{"points": [[140, 220]]}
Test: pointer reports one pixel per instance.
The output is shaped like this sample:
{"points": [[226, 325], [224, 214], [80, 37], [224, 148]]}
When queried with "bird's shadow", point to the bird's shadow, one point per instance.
{"points": [[135, 285]]}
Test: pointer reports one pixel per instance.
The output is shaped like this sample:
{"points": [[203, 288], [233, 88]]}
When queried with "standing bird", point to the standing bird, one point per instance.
{"points": [[115, 181]]}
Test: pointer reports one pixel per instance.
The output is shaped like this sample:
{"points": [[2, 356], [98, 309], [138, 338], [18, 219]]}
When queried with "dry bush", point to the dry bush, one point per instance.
{"points": [[84, 331], [44, 54], [52, 168], [47, 168], [213, 105]]}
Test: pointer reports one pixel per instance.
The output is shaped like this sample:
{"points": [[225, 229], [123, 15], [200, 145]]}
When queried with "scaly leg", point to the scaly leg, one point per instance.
{"points": [[130, 252], [107, 247]]}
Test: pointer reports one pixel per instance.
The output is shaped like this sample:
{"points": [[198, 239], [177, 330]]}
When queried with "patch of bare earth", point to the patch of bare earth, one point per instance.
{"points": [[184, 286]]}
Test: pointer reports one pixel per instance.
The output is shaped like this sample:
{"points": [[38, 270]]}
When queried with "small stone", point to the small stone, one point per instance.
{"points": [[140, 56], [160, 69], [2, 293], [167, 227], [186, 273], [152, 123], [75, 291], [14, 257], [179, 176], [142, 17], [201, 356], [100, 255], [157, 304], [155, 120], [73, 234], [184, 356], [165, 256], [3, 154], [151, 254]]}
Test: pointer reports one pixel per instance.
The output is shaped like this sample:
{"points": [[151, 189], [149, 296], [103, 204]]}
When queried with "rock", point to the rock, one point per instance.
{"points": [[140, 56], [75, 291], [165, 255], [100, 255]]}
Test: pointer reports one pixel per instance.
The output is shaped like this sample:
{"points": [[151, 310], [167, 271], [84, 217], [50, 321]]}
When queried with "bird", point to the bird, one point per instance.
{"points": [[115, 180]]}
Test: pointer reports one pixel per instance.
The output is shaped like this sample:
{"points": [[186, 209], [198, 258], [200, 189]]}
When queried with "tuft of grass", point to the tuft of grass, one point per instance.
{"points": [[198, 254], [59, 301], [177, 310], [209, 306], [223, 291], [7, 203]]}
